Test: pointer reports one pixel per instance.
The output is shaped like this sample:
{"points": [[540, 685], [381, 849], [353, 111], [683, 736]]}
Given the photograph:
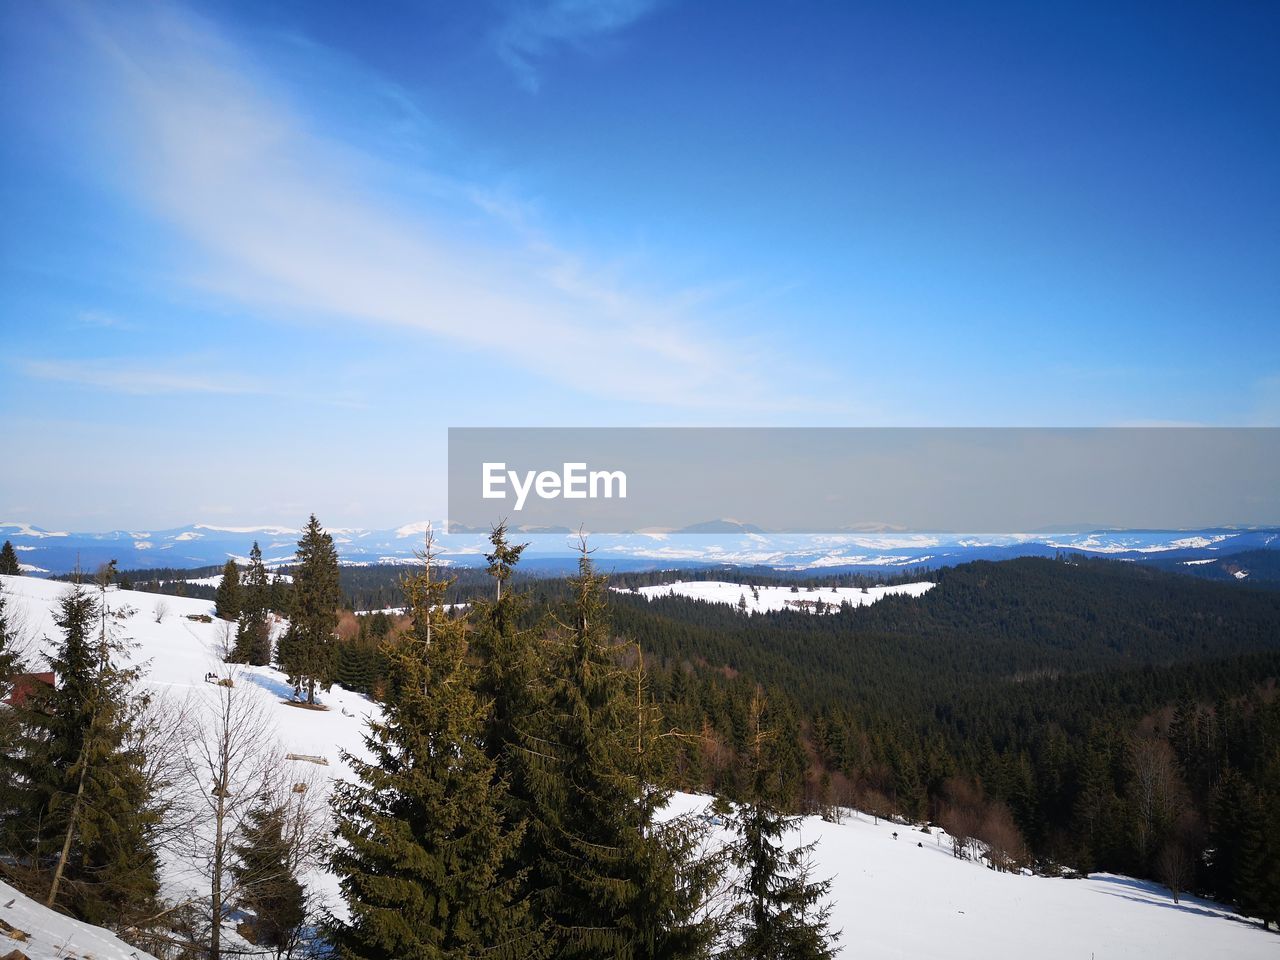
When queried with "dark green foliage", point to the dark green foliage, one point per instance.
{"points": [[1264, 896], [1235, 843], [9, 561], [504, 558], [1030, 676], [10, 664], [360, 662], [510, 676], [609, 879], [779, 911], [253, 634], [227, 598], [79, 773], [307, 651], [426, 858], [9, 661], [265, 878], [280, 594]]}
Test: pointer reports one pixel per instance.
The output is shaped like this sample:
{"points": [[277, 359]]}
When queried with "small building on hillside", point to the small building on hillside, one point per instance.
{"points": [[24, 685]]}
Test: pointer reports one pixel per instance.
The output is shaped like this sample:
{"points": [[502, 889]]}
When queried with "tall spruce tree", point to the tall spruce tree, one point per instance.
{"points": [[610, 880], [227, 597], [780, 911], [511, 676], [1266, 896], [425, 856], [253, 636], [505, 556], [9, 561], [86, 817], [307, 651], [266, 879], [1234, 840]]}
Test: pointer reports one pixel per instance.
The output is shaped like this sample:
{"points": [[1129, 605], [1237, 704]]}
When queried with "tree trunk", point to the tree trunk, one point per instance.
{"points": [[66, 843], [215, 935]]}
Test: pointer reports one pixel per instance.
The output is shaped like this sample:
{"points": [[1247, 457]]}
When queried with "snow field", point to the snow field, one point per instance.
{"points": [[761, 599]]}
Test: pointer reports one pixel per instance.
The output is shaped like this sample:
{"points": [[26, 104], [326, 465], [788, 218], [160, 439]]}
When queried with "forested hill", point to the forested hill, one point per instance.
{"points": [[1010, 620], [1041, 693]]}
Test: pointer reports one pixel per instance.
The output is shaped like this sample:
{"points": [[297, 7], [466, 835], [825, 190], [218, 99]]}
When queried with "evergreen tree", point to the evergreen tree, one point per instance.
{"points": [[1265, 899], [10, 662], [425, 854], [10, 665], [780, 911], [511, 676], [1235, 840], [266, 880], [227, 598], [253, 636], [9, 561], [307, 651], [610, 880], [504, 558], [280, 593], [86, 816]]}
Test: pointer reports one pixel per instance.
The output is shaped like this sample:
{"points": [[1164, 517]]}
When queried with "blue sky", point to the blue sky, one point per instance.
{"points": [[257, 257]]}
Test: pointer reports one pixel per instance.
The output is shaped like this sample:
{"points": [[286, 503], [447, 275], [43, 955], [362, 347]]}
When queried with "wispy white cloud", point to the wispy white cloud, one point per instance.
{"points": [[176, 376], [104, 321], [535, 30], [169, 376], [289, 222]]}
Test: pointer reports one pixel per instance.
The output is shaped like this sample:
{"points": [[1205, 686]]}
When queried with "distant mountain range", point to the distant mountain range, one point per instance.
{"points": [[716, 543]]}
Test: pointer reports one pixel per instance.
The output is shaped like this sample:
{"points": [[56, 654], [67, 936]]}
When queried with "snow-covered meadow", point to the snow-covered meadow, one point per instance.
{"points": [[764, 599]]}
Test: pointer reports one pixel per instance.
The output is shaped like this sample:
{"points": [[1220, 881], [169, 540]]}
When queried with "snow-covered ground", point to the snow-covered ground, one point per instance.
{"points": [[892, 898], [895, 899], [215, 581], [41, 934], [177, 653], [761, 599]]}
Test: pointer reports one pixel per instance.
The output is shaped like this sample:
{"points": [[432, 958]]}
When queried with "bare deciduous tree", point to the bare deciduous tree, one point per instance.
{"points": [[161, 610], [876, 803], [961, 815], [1174, 864], [230, 764], [225, 644], [162, 734], [1006, 848], [1158, 793]]}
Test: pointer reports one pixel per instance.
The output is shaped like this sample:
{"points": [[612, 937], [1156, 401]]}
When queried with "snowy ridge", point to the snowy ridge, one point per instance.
{"points": [[199, 545]]}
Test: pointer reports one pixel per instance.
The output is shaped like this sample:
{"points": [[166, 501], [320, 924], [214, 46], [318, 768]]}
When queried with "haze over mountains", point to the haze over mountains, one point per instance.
{"points": [[716, 543]]}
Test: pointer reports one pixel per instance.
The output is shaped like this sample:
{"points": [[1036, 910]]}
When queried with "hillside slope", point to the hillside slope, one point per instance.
{"points": [[892, 897], [38, 933]]}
